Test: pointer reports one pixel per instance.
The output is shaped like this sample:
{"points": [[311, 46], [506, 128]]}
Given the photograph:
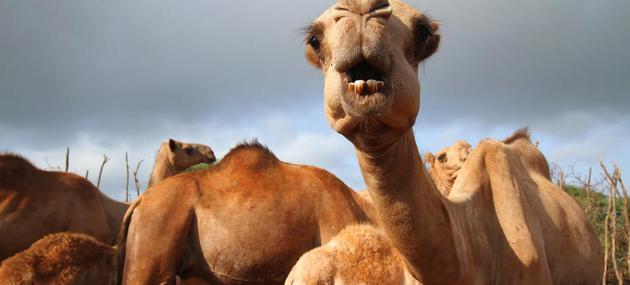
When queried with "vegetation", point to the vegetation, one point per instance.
{"points": [[605, 202]]}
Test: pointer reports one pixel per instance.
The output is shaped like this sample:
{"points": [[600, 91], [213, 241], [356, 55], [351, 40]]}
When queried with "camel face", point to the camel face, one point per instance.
{"points": [[446, 163], [184, 155], [369, 51]]}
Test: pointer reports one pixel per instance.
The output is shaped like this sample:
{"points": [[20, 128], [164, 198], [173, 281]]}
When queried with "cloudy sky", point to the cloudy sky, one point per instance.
{"points": [[109, 77]]}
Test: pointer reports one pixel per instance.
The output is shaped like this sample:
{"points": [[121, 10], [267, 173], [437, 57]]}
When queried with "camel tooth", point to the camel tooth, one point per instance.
{"points": [[380, 84], [350, 87], [359, 87], [372, 86]]}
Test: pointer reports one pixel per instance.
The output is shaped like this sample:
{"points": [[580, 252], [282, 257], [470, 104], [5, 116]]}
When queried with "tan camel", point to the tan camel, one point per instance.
{"points": [[504, 221], [245, 221], [62, 258], [360, 254], [173, 157], [445, 165], [34, 203]]}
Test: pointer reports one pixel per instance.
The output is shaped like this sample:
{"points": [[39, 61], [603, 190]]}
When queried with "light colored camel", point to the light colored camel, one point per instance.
{"points": [[360, 254], [504, 221], [173, 157], [445, 165], [245, 221], [34, 202], [62, 258]]}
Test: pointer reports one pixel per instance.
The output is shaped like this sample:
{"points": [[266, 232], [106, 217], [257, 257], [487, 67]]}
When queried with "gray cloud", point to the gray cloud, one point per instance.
{"points": [[128, 75]]}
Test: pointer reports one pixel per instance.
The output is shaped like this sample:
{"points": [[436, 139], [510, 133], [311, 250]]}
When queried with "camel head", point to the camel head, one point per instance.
{"points": [[369, 52], [445, 164], [184, 155]]}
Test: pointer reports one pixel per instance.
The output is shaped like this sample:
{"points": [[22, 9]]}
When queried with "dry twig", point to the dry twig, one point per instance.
{"points": [[100, 173], [135, 178]]}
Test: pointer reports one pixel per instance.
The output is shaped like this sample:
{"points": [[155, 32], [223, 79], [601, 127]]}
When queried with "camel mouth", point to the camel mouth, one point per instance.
{"points": [[366, 89], [365, 79]]}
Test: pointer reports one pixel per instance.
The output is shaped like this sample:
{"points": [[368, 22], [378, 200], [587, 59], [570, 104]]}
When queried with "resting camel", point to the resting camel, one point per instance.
{"points": [[504, 221], [62, 258], [445, 165], [245, 221], [34, 202], [359, 254]]}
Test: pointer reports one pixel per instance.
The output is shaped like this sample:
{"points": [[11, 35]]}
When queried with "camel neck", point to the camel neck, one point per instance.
{"points": [[162, 168], [411, 209]]}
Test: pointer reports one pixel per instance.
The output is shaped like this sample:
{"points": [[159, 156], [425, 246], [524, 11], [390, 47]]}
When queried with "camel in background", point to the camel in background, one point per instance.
{"points": [[503, 222], [245, 221], [446, 163], [34, 202], [62, 258], [173, 157]]}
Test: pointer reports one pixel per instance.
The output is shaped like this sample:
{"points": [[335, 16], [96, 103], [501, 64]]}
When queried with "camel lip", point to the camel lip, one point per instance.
{"points": [[364, 71]]}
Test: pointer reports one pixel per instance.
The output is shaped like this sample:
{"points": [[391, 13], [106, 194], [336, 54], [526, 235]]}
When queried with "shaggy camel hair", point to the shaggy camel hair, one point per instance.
{"points": [[34, 202], [504, 221], [360, 254], [245, 221], [445, 165], [62, 258]]}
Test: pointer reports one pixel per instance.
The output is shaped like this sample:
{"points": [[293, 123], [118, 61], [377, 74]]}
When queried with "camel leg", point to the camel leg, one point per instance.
{"points": [[158, 234]]}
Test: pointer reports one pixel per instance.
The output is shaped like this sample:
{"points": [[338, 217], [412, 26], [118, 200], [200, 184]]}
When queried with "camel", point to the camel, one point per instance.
{"points": [[246, 220], [445, 165], [359, 254], [35, 202], [503, 222], [173, 157], [62, 258]]}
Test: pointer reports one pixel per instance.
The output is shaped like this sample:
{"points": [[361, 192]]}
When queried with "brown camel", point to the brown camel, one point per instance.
{"points": [[34, 202], [445, 165], [245, 221], [62, 258], [503, 222], [173, 157]]}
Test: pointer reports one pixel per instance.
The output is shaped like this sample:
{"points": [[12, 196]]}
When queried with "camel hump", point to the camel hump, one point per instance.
{"points": [[252, 155], [15, 162], [522, 133]]}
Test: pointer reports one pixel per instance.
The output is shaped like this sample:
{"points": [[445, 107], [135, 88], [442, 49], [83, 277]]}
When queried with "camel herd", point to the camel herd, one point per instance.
{"points": [[483, 215]]}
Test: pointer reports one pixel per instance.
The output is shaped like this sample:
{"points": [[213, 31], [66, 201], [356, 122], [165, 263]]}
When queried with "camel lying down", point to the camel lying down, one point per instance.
{"points": [[359, 254], [63, 258]]}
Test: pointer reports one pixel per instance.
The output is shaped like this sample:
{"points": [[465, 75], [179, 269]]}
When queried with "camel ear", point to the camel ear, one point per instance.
{"points": [[429, 158], [172, 144], [427, 39]]}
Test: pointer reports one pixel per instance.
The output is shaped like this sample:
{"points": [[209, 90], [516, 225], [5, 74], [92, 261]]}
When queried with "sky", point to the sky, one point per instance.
{"points": [[110, 77]]}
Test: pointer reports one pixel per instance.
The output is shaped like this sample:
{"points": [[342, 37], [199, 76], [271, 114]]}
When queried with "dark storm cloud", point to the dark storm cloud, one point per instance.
{"points": [[109, 67], [126, 69], [529, 62]]}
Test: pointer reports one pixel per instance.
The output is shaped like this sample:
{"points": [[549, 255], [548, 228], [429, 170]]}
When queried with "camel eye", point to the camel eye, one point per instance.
{"points": [[422, 33], [189, 151], [313, 41], [442, 158]]}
